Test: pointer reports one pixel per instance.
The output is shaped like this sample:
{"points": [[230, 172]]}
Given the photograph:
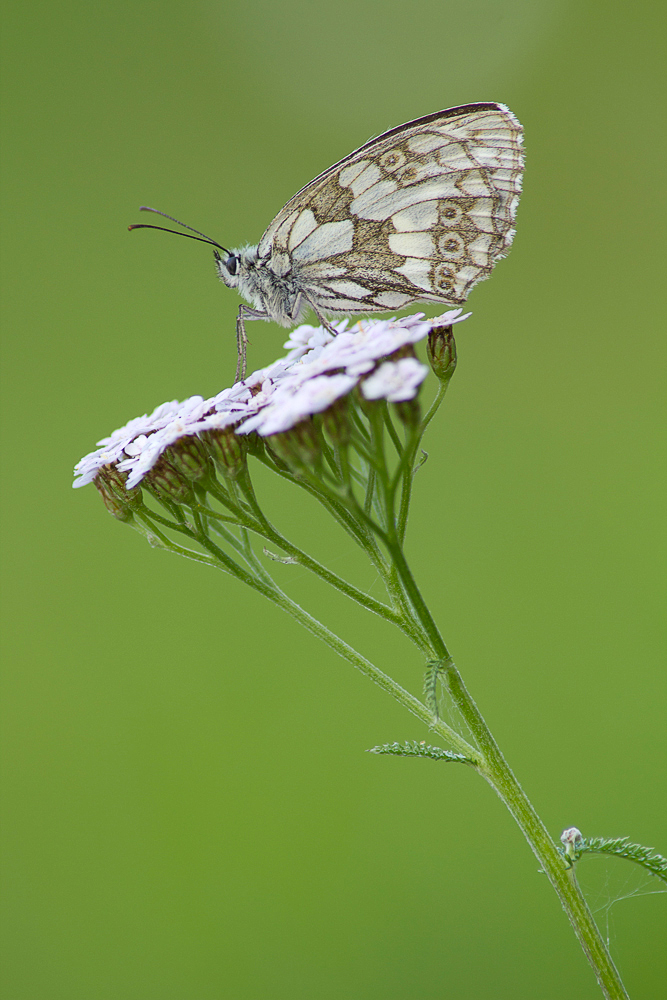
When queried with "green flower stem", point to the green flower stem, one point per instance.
{"points": [[241, 545], [365, 528], [270, 533], [367, 668], [198, 534], [370, 490], [407, 470], [330, 457], [348, 473], [159, 541], [497, 772], [346, 510], [435, 405], [376, 417], [145, 512], [253, 559], [408, 460], [270, 590], [249, 554], [499, 775], [364, 537], [393, 433], [385, 491], [231, 539], [260, 525], [406, 456], [334, 505]]}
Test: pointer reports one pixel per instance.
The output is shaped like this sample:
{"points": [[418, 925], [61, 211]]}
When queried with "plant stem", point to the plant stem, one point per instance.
{"points": [[502, 780], [497, 772], [384, 681], [270, 533]]}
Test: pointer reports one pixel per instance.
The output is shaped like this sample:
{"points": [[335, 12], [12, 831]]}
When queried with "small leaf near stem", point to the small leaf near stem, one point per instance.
{"points": [[575, 847], [432, 674], [411, 748]]}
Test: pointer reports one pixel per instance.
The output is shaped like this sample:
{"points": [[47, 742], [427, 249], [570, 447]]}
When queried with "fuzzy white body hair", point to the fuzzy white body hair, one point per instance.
{"points": [[278, 296]]}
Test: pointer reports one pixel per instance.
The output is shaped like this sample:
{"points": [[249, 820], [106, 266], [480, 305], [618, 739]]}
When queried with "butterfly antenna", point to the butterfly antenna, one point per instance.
{"points": [[202, 237]]}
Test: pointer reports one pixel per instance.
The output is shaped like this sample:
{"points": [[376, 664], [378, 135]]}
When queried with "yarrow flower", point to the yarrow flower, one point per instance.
{"points": [[319, 369]]}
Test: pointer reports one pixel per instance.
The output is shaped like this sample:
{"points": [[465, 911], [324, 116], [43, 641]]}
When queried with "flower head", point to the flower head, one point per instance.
{"points": [[319, 369]]}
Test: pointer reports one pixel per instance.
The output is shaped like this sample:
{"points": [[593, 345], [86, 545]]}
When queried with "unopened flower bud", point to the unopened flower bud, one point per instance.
{"points": [[336, 421], [166, 481], [300, 446], [227, 449], [188, 456], [118, 501], [571, 839], [442, 352]]}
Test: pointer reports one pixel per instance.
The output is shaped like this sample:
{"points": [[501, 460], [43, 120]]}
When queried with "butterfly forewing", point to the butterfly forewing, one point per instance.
{"points": [[418, 214]]}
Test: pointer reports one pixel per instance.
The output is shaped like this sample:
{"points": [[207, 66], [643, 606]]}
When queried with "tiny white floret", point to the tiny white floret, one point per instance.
{"points": [[395, 381]]}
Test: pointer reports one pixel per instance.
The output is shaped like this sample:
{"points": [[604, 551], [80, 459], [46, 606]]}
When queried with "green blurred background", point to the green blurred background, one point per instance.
{"points": [[189, 811]]}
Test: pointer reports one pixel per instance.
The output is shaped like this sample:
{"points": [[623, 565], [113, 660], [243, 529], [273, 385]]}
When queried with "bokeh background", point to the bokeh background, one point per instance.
{"points": [[189, 810]]}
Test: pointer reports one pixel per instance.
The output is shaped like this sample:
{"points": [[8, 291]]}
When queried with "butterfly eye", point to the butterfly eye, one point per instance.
{"points": [[232, 263]]}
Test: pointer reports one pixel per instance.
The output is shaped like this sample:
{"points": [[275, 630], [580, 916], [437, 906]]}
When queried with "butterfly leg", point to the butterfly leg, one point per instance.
{"points": [[325, 322], [241, 347], [245, 312]]}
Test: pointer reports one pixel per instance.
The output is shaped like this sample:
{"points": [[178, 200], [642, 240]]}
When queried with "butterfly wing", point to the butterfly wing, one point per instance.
{"points": [[419, 214]]}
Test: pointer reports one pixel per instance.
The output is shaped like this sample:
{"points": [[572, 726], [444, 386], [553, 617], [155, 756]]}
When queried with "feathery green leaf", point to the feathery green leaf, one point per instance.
{"points": [[411, 748], [622, 848], [433, 670]]}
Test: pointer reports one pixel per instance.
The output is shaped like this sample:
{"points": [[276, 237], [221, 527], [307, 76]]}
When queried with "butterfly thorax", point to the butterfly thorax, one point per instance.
{"points": [[261, 283]]}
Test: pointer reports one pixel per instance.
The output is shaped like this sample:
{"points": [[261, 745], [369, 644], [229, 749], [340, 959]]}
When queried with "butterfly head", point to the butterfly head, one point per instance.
{"points": [[228, 266]]}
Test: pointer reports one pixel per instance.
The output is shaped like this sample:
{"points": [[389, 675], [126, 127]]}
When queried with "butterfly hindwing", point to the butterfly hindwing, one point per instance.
{"points": [[418, 214]]}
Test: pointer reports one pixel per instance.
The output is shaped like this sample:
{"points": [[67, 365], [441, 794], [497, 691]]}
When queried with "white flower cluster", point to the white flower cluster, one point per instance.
{"points": [[318, 369]]}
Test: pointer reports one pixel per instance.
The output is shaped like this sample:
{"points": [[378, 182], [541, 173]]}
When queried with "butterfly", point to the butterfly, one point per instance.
{"points": [[419, 214]]}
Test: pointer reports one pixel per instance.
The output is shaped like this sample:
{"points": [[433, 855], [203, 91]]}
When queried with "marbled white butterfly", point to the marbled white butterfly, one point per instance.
{"points": [[419, 214]]}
